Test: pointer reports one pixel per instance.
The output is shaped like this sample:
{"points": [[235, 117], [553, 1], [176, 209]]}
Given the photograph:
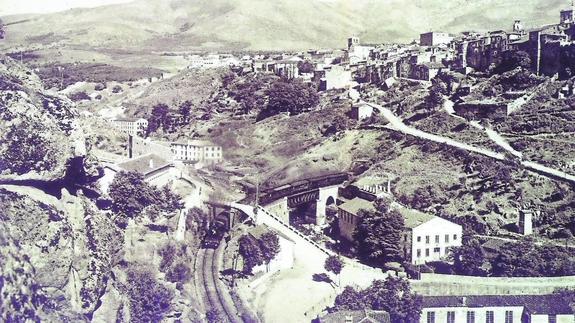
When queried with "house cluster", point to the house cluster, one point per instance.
{"points": [[426, 237]]}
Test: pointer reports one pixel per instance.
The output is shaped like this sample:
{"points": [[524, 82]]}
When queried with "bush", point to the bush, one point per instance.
{"points": [[149, 299], [117, 89], [79, 96], [100, 87]]}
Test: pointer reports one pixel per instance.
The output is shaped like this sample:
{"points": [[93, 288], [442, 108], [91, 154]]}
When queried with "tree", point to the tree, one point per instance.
{"points": [[305, 67], [394, 296], [130, 194], [291, 96], [436, 95], [185, 109], [334, 264], [117, 89], [350, 299], [468, 258], [159, 118], [149, 299], [169, 201], [378, 235], [251, 253], [270, 246]]}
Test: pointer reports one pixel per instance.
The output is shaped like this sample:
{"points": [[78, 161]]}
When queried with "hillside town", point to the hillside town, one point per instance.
{"points": [[429, 181]]}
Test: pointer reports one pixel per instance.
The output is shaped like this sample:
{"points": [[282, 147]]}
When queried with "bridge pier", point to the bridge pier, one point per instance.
{"points": [[327, 196]]}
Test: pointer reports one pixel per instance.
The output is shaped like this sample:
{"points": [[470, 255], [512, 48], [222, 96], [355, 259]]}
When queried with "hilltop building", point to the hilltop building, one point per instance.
{"points": [[434, 39]]}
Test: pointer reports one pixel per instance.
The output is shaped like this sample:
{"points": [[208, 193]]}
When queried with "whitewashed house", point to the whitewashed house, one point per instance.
{"points": [[496, 309]]}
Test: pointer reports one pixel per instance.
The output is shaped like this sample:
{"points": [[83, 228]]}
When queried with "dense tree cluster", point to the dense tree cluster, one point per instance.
{"points": [[393, 295], [250, 90], [131, 196], [260, 251], [169, 120], [516, 59], [150, 301], [378, 234], [291, 96]]}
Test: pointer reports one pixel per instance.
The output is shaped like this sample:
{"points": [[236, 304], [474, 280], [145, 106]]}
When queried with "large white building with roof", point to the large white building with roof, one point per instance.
{"points": [[197, 151], [426, 237]]}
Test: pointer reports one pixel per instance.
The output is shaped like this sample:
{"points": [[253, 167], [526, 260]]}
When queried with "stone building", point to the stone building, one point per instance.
{"points": [[434, 39]]}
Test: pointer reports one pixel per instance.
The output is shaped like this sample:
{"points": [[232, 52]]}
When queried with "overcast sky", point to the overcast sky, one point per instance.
{"points": [[10, 7]]}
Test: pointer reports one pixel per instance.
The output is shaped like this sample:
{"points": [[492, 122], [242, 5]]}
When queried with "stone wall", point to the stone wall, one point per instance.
{"points": [[438, 285]]}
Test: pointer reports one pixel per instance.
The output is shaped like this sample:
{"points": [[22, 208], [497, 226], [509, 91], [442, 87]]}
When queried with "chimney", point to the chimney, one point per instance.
{"points": [[151, 163]]}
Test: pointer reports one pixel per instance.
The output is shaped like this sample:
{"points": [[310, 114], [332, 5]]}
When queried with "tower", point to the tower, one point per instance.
{"points": [[525, 222], [352, 41], [517, 26]]}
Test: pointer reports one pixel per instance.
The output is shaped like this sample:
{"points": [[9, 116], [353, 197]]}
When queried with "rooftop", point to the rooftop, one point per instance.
{"points": [[414, 218], [196, 142], [144, 164], [363, 316], [537, 304], [353, 206]]}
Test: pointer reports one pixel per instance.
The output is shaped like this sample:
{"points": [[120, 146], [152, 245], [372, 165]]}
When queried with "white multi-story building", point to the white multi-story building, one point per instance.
{"points": [[426, 237], [496, 309], [197, 151], [131, 126]]}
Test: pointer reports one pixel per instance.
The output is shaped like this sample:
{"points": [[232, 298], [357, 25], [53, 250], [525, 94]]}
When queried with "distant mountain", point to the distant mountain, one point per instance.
{"points": [[265, 24]]}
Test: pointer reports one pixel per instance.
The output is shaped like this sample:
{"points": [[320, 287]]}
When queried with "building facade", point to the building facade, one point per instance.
{"points": [[496, 309], [131, 126], [434, 39], [197, 151], [426, 237]]}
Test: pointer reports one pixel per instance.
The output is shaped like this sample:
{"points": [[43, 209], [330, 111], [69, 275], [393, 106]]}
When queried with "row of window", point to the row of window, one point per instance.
{"points": [[437, 238], [346, 217], [435, 251], [470, 317]]}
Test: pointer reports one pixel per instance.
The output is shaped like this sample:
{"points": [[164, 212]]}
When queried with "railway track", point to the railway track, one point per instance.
{"points": [[213, 293]]}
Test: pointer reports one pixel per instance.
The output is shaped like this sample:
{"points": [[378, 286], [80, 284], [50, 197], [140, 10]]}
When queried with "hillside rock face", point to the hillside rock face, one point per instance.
{"points": [[57, 250], [38, 132]]}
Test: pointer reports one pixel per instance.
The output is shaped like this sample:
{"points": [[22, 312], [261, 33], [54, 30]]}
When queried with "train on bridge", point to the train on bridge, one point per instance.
{"points": [[269, 195]]}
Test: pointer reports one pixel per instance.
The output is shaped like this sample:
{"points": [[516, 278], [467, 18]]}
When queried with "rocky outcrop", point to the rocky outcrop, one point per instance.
{"points": [[38, 131]]}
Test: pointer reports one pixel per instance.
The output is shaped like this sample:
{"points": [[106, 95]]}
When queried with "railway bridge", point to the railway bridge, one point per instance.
{"points": [[320, 192]]}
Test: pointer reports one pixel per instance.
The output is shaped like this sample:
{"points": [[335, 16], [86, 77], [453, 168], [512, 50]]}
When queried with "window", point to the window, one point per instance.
{"points": [[489, 317], [430, 317], [437, 239], [427, 252], [418, 253], [552, 318], [508, 316], [470, 317], [454, 237], [418, 238], [436, 250], [450, 317], [427, 239], [447, 238]]}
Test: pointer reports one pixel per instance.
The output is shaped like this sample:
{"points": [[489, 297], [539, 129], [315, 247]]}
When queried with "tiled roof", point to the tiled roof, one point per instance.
{"points": [[413, 218], [536, 304], [356, 204], [363, 316], [142, 164]]}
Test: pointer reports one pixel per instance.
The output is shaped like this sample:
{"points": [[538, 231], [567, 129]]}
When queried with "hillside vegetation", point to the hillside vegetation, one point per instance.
{"points": [[261, 24]]}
